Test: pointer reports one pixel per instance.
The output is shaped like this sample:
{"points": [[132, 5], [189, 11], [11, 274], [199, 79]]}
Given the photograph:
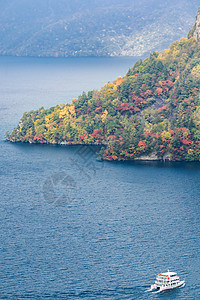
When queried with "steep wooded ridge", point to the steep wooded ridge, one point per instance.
{"points": [[195, 31], [153, 112], [92, 27]]}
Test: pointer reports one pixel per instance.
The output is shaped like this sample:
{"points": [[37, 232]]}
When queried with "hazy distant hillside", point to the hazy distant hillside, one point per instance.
{"points": [[92, 27]]}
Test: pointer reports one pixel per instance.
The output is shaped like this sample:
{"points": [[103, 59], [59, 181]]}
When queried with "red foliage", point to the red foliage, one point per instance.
{"points": [[83, 136], [37, 139], [185, 142], [123, 106], [147, 134], [170, 83], [96, 133], [159, 91], [112, 137], [97, 109], [157, 135], [142, 144], [148, 92], [136, 109]]}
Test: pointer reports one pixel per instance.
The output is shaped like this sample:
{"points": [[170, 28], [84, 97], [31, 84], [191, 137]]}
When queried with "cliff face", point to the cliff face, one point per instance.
{"points": [[195, 31]]}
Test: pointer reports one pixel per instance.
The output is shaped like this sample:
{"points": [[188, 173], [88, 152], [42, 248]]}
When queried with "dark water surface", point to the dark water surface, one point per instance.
{"points": [[76, 228]]}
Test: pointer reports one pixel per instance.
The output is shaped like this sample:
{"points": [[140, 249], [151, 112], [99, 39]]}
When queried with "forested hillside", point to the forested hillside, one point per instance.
{"points": [[92, 27], [154, 110]]}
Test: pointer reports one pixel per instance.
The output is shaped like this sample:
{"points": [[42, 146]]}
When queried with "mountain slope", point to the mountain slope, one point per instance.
{"points": [[100, 27]]}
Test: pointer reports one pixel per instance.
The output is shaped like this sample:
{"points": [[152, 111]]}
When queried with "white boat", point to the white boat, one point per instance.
{"points": [[167, 281]]}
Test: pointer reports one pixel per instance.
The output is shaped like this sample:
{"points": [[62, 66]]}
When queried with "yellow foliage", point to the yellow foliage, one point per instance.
{"points": [[115, 102], [167, 52], [47, 119], [118, 81], [166, 135], [37, 122], [72, 110], [132, 149], [110, 85], [74, 125], [110, 90], [185, 134], [104, 116], [148, 127], [190, 151], [29, 132], [64, 112], [196, 72], [90, 102]]}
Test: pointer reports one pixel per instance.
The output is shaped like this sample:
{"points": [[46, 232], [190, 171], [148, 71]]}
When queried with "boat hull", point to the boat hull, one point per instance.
{"points": [[155, 287], [181, 283]]}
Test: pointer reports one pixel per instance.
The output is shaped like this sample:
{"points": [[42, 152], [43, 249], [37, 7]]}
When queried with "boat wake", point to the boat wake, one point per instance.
{"points": [[156, 292], [153, 291]]}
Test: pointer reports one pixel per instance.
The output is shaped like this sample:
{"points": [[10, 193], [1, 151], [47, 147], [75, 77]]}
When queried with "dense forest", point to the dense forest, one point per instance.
{"points": [[154, 110]]}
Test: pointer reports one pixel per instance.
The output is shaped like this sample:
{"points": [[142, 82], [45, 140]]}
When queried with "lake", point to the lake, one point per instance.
{"points": [[73, 227]]}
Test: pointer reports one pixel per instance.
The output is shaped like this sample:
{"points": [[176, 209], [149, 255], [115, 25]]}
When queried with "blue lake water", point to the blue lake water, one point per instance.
{"points": [[76, 228]]}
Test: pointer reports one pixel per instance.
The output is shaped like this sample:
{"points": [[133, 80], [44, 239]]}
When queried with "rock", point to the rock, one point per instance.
{"points": [[195, 31], [64, 143], [153, 157]]}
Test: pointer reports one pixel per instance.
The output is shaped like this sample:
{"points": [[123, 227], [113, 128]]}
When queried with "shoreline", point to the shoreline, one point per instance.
{"points": [[143, 158]]}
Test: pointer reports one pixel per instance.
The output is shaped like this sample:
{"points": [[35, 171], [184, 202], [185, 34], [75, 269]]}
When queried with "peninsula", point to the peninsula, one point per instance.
{"points": [[153, 112]]}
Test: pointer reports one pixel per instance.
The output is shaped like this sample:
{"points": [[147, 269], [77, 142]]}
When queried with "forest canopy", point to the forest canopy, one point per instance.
{"points": [[153, 110]]}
